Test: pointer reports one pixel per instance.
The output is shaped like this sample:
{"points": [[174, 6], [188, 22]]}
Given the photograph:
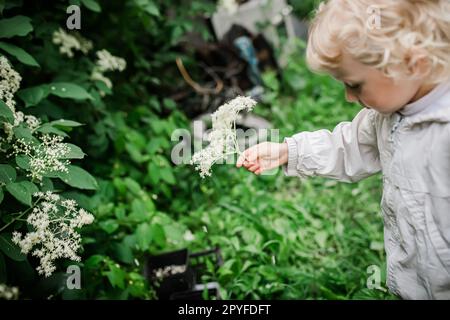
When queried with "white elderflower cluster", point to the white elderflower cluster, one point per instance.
{"points": [[8, 293], [222, 138], [99, 76], [69, 43], [169, 271], [46, 157], [55, 222], [106, 62], [9, 83]]}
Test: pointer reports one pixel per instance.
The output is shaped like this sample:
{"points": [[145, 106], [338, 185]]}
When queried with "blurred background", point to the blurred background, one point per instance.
{"points": [[160, 231]]}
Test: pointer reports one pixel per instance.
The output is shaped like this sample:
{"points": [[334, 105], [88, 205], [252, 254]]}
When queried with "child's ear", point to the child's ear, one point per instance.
{"points": [[417, 62]]}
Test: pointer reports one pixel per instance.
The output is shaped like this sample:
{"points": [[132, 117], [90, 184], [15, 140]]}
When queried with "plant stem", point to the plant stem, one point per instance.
{"points": [[19, 216]]}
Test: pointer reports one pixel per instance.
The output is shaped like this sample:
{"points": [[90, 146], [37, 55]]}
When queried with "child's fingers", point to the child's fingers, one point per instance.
{"points": [[253, 168], [258, 171], [251, 154], [240, 161], [247, 157]]}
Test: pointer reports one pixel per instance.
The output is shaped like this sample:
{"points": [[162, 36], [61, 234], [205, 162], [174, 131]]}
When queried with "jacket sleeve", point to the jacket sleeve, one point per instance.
{"points": [[348, 154]]}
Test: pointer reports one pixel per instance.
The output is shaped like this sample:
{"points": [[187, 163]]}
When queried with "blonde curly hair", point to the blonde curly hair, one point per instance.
{"points": [[390, 35]]}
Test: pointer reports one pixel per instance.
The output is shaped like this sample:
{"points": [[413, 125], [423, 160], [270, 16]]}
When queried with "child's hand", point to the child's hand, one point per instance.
{"points": [[263, 156]]}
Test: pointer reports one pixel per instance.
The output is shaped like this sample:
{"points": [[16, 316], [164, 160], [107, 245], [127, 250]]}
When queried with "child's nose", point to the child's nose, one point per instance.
{"points": [[350, 97]]}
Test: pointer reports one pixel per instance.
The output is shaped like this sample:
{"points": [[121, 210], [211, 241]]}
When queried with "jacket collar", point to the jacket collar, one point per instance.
{"points": [[433, 107]]}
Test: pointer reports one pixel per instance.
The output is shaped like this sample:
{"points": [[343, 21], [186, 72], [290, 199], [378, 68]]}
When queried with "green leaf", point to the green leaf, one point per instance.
{"points": [[15, 26], [10, 249], [32, 96], [23, 161], [123, 252], [94, 261], [7, 173], [133, 186], [149, 6], [144, 236], [159, 235], [78, 178], [169, 104], [92, 5], [136, 154], [1, 195], [109, 226], [102, 87], [6, 113], [167, 175], [48, 128], [152, 9], [69, 90], [75, 152], [24, 133], [116, 276], [19, 54], [141, 210], [22, 191], [65, 123], [153, 172], [47, 185]]}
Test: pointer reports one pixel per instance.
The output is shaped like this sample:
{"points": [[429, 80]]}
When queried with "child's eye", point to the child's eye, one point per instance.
{"points": [[354, 87]]}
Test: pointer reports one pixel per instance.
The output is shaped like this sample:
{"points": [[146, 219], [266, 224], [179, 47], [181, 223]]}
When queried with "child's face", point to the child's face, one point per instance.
{"points": [[372, 89]]}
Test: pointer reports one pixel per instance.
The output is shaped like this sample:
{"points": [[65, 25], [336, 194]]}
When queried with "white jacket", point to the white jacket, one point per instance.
{"points": [[412, 150]]}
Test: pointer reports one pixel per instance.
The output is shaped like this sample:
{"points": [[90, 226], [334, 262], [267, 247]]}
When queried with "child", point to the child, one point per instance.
{"points": [[397, 66]]}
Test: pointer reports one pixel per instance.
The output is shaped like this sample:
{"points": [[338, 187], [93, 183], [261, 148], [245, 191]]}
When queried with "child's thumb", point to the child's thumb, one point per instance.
{"points": [[250, 155]]}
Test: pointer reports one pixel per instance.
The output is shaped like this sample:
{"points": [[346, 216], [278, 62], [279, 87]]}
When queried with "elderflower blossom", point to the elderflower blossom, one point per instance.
{"points": [[8, 293], [106, 62], [46, 157], [9, 83], [55, 221], [69, 43], [222, 138], [98, 76]]}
